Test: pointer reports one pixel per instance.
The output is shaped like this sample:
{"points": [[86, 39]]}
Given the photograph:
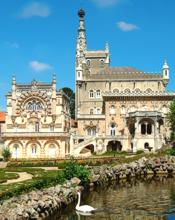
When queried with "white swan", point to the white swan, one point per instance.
{"points": [[83, 208]]}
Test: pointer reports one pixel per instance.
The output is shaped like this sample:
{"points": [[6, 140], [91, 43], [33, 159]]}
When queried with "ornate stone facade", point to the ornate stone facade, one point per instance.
{"points": [[37, 121], [119, 108]]}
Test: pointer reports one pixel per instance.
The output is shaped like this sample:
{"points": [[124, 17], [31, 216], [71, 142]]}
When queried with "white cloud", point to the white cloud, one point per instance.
{"points": [[126, 26], [12, 44], [35, 9], [106, 3], [39, 66]]}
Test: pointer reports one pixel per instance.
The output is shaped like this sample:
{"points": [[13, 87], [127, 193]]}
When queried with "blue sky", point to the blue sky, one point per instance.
{"points": [[38, 37]]}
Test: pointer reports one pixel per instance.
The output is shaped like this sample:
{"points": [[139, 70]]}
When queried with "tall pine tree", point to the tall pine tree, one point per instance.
{"points": [[70, 93], [171, 118]]}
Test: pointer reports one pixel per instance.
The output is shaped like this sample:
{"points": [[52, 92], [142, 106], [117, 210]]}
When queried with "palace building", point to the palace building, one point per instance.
{"points": [[117, 109], [37, 121], [120, 108]]}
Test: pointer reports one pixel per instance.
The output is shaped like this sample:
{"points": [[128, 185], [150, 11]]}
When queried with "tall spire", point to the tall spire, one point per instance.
{"points": [[81, 40]]}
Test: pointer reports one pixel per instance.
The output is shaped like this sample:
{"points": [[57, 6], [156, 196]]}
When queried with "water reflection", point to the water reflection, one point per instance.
{"points": [[146, 199]]}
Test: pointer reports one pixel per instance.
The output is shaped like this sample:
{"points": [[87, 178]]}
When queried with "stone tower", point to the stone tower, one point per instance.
{"points": [[80, 55]]}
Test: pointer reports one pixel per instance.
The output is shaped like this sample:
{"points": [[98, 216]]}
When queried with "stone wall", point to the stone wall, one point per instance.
{"points": [[43, 203]]}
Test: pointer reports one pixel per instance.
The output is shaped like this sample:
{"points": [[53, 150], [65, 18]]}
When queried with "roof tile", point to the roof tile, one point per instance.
{"points": [[2, 116]]}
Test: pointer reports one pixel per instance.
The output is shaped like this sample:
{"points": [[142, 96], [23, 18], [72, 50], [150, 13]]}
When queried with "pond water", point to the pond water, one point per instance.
{"points": [[145, 199]]}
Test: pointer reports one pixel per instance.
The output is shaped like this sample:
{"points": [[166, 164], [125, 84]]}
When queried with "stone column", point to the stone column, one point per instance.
{"points": [[153, 129], [136, 127], [42, 152], [146, 127], [139, 128], [156, 135]]}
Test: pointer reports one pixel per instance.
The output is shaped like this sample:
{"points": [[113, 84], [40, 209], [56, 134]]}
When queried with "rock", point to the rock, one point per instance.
{"points": [[19, 211], [58, 189], [67, 192], [95, 178], [31, 212], [25, 215], [75, 181], [41, 203]]}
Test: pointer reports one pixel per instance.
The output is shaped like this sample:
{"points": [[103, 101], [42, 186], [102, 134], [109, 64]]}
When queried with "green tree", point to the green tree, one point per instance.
{"points": [[171, 118], [73, 169], [70, 93], [6, 154]]}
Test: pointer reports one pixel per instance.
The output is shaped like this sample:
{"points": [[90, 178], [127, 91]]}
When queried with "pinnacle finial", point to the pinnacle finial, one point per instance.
{"points": [[81, 13], [165, 65], [107, 46], [13, 78], [54, 77]]}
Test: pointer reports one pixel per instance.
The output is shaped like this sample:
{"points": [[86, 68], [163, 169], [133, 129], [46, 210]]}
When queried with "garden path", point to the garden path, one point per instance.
{"points": [[47, 168], [23, 176]]}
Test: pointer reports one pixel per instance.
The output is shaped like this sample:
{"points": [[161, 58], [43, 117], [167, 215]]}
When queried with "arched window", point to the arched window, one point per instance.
{"points": [[37, 126], [144, 108], [143, 128], [88, 62], [15, 152], [98, 94], [154, 107], [91, 111], [102, 62], [149, 128], [91, 93], [98, 111], [112, 129], [52, 151], [34, 150], [146, 145], [112, 109], [91, 131], [34, 105], [123, 109], [164, 109], [52, 127], [146, 128]]}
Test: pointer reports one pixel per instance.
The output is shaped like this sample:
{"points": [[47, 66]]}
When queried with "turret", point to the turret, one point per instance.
{"points": [[81, 46], [107, 53], [165, 71], [13, 82], [13, 101], [54, 82], [13, 87], [54, 95]]}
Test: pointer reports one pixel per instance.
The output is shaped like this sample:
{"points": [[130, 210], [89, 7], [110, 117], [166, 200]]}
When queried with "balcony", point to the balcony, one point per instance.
{"points": [[93, 116], [34, 134]]}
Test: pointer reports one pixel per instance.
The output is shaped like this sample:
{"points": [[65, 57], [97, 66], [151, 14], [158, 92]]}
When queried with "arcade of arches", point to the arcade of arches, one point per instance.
{"points": [[38, 149]]}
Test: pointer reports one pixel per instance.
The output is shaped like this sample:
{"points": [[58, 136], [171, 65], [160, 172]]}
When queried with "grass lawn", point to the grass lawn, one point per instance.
{"points": [[41, 179], [4, 176]]}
